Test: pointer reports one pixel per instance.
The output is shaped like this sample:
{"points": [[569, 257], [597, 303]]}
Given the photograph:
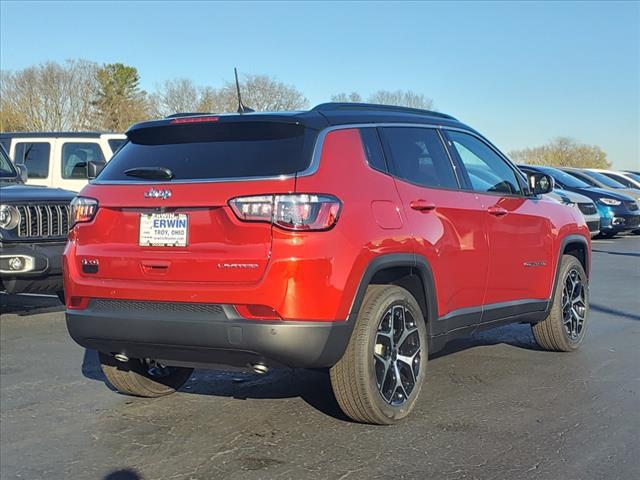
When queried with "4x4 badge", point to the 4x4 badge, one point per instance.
{"points": [[153, 193]]}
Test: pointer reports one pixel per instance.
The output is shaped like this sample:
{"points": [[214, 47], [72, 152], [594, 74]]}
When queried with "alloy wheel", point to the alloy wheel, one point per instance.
{"points": [[156, 369], [574, 305], [397, 355]]}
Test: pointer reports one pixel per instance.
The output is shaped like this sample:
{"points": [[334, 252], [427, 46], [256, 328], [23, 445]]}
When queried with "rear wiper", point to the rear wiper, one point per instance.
{"points": [[152, 173]]}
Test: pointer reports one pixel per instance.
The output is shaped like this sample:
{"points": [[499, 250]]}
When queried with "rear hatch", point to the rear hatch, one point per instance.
{"points": [[182, 229]]}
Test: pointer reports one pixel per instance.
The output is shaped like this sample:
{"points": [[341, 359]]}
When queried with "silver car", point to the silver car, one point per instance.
{"points": [[582, 203]]}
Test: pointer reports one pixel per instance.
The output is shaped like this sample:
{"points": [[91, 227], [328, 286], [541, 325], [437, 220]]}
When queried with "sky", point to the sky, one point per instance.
{"points": [[520, 73]]}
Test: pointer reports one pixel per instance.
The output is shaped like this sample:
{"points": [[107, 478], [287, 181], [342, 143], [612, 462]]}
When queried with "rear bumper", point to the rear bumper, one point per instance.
{"points": [[214, 338], [42, 272]]}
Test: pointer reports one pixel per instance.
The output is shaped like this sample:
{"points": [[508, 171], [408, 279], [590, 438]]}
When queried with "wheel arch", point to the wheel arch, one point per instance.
{"points": [[405, 270], [577, 246]]}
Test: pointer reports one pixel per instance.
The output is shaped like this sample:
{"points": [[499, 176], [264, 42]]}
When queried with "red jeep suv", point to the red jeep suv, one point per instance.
{"points": [[354, 237]]}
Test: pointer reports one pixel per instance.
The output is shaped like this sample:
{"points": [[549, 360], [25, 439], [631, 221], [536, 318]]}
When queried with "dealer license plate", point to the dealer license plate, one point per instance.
{"points": [[164, 229]]}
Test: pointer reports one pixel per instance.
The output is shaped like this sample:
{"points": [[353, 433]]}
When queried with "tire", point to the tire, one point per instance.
{"points": [[355, 378], [554, 333], [136, 377]]}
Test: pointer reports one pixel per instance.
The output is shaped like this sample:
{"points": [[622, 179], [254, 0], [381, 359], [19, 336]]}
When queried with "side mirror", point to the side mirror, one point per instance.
{"points": [[540, 183], [94, 169], [23, 172]]}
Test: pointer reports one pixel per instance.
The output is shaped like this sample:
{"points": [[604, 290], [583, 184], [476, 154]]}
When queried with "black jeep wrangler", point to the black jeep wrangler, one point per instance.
{"points": [[34, 223]]}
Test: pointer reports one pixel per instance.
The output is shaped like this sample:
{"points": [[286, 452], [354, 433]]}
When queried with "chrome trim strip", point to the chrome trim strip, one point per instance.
{"points": [[39, 220], [27, 209], [49, 220], [59, 213]]}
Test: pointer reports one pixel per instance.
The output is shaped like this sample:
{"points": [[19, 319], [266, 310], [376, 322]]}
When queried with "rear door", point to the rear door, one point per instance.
{"points": [[70, 172], [446, 225], [519, 233], [183, 229]]}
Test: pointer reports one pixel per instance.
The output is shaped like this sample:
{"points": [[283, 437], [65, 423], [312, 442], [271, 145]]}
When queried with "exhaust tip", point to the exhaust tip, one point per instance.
{"points": [[260, 368], [121, 357]]}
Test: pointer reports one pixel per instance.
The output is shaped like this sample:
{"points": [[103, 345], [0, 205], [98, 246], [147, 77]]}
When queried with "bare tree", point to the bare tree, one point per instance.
{"points": [[353, 97], [403, 98], [261, 93], [179, 95], [48, 96], [563, 152]]}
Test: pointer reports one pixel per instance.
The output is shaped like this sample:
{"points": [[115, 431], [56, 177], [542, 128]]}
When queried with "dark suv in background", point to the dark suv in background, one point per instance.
{"points": [[34, 223], [618, 212]]}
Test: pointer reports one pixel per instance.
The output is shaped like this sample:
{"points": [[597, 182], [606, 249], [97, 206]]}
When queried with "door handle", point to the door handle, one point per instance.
{"points": [[497, 211], [422, 205]]}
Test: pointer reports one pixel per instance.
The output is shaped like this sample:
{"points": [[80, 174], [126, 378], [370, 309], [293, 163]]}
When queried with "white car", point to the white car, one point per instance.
{"points": [[627, 179], [584, 204], [60, 159]]}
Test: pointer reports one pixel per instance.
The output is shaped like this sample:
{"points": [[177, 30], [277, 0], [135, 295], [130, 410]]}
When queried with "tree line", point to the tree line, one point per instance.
{"points": [[81, 95]]}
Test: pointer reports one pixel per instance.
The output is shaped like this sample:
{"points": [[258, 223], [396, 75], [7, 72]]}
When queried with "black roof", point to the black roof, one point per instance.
{"points": [[328, 114], [53, 134]]}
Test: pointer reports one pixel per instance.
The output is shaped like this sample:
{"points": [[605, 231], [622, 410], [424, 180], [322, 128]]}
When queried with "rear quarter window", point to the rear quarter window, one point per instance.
{"points": [[215, 151]]}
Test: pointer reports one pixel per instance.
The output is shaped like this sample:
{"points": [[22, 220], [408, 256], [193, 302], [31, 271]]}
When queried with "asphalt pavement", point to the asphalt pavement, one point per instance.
{"points": [[493, 407]]}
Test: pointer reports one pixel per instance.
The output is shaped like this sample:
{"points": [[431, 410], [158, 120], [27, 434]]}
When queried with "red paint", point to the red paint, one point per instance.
{"points": [[476, 244]]}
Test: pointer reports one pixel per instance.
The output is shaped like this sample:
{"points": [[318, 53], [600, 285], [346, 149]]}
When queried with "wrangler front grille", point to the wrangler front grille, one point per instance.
{"points": [[44, 221]]}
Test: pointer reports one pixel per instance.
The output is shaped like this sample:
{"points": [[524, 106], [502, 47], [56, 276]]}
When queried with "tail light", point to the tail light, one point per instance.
{"points": [[301, 212], [83, 209]]}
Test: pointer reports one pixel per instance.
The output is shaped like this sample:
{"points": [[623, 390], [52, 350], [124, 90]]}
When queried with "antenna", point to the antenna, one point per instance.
{"points": [[241, 107]]}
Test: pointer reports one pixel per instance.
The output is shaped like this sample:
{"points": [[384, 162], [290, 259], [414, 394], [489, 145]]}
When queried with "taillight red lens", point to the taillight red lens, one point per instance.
{"points": [[83, 209], [300, 212], [183, 120]]}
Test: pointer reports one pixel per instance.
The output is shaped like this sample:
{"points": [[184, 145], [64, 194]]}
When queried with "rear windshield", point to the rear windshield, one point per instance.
{"points": [[215, 151]]}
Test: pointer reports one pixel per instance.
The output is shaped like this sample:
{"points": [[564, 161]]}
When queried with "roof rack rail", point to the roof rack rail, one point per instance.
{"points": [[332, 106], [188, 114]]}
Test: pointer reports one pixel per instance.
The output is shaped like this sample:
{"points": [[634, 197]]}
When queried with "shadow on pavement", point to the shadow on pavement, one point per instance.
{"points": [[124, 474], [624, 254], [26, 305], [613, 311], [312, 386]]}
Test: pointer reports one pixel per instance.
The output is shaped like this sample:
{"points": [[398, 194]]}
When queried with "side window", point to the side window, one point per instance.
{"points": [[75, 157], [373, 149], [6, 143], [620, 179], [487, 171], [35, 156], [115, 144], [418, 155]]}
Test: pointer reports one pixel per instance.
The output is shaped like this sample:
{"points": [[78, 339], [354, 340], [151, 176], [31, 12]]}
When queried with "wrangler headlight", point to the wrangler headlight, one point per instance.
{"points": [[9, 217]]}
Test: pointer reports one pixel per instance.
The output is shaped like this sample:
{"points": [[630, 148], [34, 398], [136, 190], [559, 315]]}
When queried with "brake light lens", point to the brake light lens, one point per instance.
{"points": [[300, 212], [83, 209], [183, 120]]}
